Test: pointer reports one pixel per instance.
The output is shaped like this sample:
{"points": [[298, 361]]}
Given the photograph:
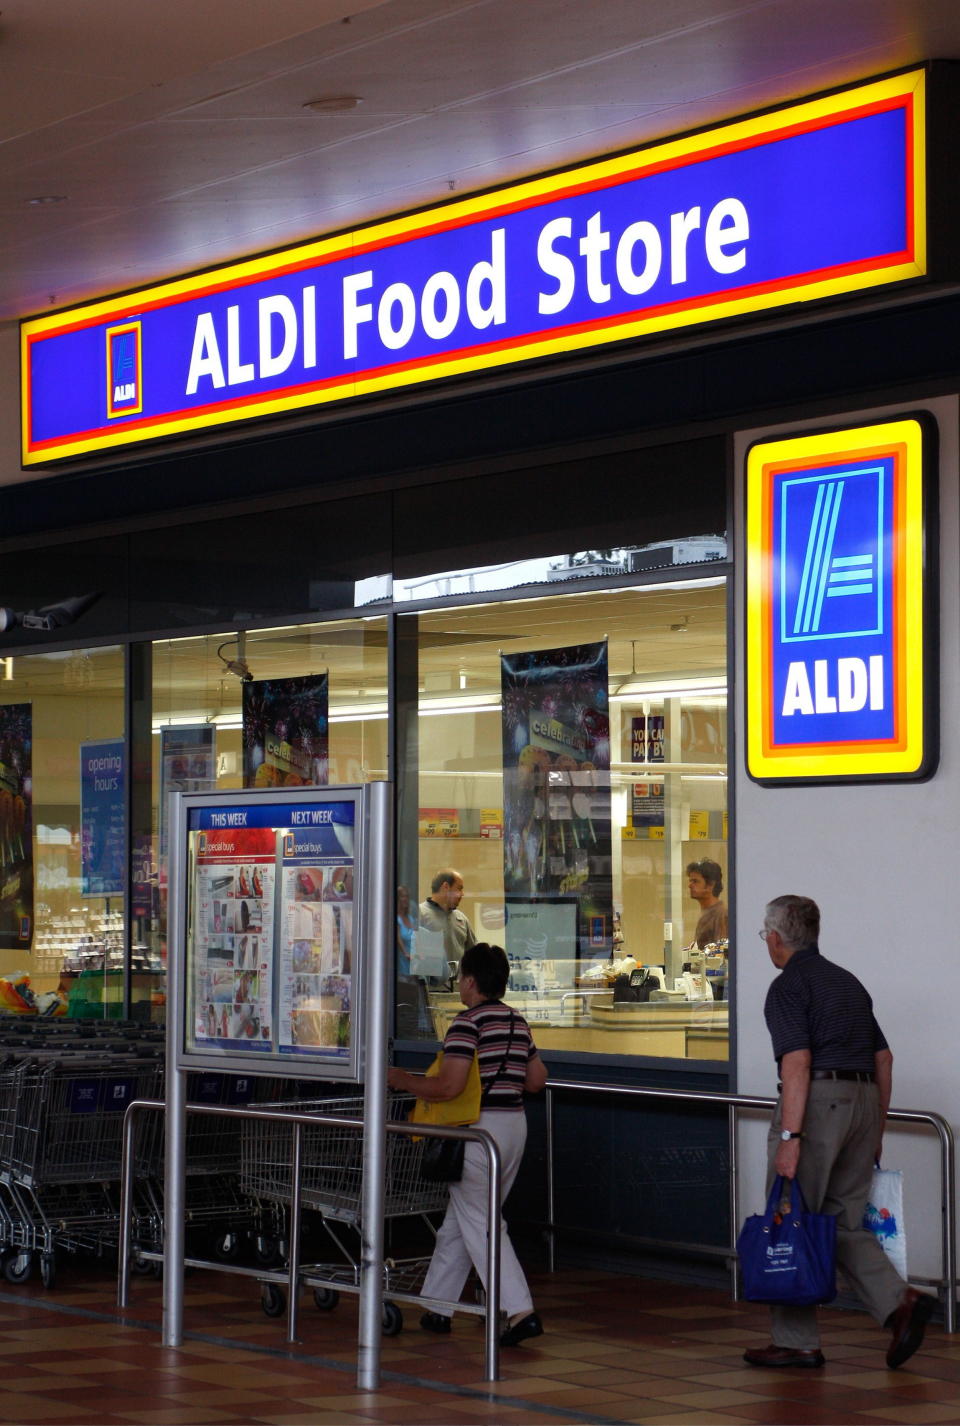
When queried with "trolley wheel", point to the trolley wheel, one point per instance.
{"points": [[326, 1298], [267, 1252], [48, 1269], [18, 1267], [226, 1247], [392, 1319], [272, 1300], [142, 1267]]}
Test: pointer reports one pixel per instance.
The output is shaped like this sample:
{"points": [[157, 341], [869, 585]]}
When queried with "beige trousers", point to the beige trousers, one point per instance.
{"points": [[841, 1128]]}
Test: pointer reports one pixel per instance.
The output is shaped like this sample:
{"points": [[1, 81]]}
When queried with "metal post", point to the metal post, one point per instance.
{"points": [[492, 1335], [293, 1283], [126, 1209], [551, 1203], [378, 961], [174, 1178], [734, 1206]]}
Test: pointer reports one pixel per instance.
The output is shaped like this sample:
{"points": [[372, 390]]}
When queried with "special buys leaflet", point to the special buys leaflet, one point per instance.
{"points": [[234, 949], [316, 948]]}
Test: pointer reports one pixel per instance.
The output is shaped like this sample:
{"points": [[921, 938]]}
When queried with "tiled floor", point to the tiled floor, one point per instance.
{"points": [[616, 1350]]}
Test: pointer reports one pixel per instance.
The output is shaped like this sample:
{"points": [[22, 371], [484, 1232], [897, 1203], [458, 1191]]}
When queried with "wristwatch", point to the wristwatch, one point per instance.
{"points": [[786, 1135]]}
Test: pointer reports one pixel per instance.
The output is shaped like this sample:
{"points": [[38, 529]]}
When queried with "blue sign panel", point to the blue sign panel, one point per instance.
{"points": [[822, 198], [102, 818], [319, 822], [833, 590]]}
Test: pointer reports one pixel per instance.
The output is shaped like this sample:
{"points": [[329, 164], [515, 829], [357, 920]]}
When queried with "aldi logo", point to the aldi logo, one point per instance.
{"points": [[838, 675], [124, 370]]}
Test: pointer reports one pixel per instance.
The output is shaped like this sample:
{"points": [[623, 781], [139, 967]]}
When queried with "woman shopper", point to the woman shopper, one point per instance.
{"points": [[509, 1064]]}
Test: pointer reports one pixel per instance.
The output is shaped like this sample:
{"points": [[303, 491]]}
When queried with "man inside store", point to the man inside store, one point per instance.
{"points": [[441, 913], [836, 1072], [705, 883]]}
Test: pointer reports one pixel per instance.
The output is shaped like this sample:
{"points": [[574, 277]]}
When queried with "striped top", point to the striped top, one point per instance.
{"points": [[818, 1006], [485, 1028]]}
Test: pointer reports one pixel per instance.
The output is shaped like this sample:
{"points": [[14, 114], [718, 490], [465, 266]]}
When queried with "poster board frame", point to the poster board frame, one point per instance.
{"points": [[344, 1063]]}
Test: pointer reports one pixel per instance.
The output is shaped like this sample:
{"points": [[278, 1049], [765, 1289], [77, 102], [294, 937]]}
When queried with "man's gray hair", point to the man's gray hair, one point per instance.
{"points": [[796, 919]]}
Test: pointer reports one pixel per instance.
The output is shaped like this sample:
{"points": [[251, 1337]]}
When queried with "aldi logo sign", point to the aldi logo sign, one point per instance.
{"points": [[124, 370], [839, 679]]}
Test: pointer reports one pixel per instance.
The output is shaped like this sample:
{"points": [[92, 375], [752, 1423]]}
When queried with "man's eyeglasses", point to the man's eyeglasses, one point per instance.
{"points": [[763, 934]]}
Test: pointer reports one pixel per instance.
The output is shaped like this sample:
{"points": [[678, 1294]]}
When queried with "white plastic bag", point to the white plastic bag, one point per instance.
{"points": [[427, 955], [883, 1216]]}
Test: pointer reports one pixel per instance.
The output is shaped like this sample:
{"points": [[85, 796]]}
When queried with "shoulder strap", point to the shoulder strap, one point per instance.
{"points": [[499, 1070]]}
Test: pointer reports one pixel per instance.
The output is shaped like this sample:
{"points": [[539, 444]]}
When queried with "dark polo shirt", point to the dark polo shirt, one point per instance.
{"points": [[821, 1007]]}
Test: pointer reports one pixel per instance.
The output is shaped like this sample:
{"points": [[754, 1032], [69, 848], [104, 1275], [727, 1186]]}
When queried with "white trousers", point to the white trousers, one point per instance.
{"points": [[462, 1239]]}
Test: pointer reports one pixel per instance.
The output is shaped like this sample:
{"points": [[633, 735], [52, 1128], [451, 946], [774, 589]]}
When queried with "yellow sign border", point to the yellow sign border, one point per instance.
{"points": [[787, 765]]}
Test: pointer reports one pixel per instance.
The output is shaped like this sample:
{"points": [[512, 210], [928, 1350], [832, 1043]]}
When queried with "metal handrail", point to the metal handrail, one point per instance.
{"points": [[737, 1102], [468, 1132]]}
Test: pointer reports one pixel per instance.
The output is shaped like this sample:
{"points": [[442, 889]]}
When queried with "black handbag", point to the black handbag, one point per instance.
{"points": [[442, 1159]]}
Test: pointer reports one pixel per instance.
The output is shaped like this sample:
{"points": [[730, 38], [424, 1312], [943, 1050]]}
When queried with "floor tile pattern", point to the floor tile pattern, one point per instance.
{"points": [[616, 1350]]}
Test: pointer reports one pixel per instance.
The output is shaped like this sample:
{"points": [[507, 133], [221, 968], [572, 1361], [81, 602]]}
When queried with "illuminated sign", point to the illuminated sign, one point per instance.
{"points": [[822, 198], [840, 682]]}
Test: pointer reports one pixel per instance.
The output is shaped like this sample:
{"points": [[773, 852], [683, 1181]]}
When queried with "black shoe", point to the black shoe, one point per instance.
{"points": [[774, 1356], [435, 1322], [529, 1326], [907, 1326]]}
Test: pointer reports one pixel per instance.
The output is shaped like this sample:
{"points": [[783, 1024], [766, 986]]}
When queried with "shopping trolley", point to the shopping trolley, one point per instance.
{"points": [[61, 1133], [332, 1186]]}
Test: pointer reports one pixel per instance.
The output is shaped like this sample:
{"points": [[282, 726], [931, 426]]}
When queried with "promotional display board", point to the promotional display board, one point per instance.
{"points": [[840, 679], [16, 826], [271, 920], [816, 199]]}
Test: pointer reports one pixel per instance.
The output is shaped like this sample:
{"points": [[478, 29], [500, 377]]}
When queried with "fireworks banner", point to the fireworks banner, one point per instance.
{"points": [[556, 784], [16, 826], [286, 735]]}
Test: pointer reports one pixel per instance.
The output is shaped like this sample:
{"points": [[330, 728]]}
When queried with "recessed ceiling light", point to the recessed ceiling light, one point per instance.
{"points": [[334, 103], [47, 198]]}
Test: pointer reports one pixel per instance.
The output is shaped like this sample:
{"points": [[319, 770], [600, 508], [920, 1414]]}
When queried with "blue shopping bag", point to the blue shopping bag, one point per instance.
{"points": [[787, 1255]]}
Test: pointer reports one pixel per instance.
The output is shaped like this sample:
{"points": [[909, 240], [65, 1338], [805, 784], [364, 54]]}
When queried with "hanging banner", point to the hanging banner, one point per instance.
{"points": [[187, 764], [841, 665], [811, 201], [647, 807], [556, 783], [286, 732], [646, 738], [16, 826], [102, 818]]}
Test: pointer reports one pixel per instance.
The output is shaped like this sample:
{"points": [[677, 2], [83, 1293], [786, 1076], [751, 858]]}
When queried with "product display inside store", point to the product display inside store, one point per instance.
{"points": [[572, 767], [564, 754]]}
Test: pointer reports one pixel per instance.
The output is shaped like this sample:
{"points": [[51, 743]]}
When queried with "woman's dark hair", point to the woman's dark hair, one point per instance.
{"points": [[489, 967], [711, 873]]}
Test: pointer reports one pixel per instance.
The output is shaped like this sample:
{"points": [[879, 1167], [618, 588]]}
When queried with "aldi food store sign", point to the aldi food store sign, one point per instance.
{"points": [[840, 678], [823, 198]]}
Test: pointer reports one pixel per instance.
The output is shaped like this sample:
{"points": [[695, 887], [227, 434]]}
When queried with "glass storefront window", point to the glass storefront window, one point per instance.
{"points": [[569, 762], [198, 707], [62, 854]]}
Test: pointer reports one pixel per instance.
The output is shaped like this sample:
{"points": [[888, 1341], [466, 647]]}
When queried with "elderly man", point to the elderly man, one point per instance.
{"points": [[440, 913], [836, 1074]]}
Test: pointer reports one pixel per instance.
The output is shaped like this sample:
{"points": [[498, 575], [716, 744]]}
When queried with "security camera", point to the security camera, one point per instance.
{"points": [[240, 668], [49, 616]]}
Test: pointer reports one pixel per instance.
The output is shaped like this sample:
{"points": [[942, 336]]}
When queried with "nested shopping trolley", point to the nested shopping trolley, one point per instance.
{"points": [[61, 1135], [332, 1186]]}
